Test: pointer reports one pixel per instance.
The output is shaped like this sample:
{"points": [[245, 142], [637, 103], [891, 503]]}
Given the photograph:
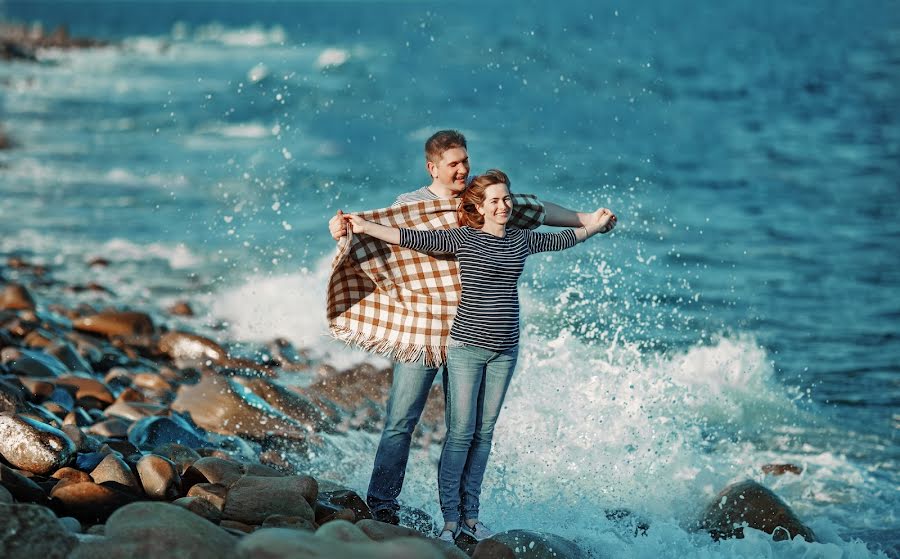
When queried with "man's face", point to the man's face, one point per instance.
{"points": [[452, 170]]}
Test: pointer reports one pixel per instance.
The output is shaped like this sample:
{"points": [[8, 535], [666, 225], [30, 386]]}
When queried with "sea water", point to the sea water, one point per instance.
{"points": [[744, 312]]}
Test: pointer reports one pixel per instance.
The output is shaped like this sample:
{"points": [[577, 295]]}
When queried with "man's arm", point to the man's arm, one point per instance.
{"points": [[558, 216]]}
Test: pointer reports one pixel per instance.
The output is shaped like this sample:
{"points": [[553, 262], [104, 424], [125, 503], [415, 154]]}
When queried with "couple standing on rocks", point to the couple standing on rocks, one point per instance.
{"points": [[395, 291]]}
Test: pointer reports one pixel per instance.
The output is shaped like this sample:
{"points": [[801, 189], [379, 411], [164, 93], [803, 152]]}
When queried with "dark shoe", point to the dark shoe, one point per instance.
{"points": [[387, 516]]}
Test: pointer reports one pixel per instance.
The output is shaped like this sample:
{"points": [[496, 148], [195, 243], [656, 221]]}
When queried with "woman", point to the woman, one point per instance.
{"points": [[484, 339]]}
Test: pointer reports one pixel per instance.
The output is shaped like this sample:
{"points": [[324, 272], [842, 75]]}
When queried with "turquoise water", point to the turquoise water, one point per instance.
{"points": [[745, 310]]}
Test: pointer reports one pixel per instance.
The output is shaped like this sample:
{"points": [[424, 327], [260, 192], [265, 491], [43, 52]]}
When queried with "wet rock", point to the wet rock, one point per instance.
{"points": [[492, 549], [748, 503], [62, 398], [6, 497], [38, 339], [151, 432], [15, 296], [90, 393], [116, 323], [181, 308], [347, 499], [83, 443], [114, 469], [133, 411], [252, 499], [111, 428], [781, 469], [86, 462], [90, 502], [69, 357], [283, 542], [153, 529], [159, 478], [210, 469], [33, 363], [381, 531], [70, 524], [221, 405], [292, 404], [20, 487], [213, 493], [180, 455], [12, 397], [151, 382], [186, 348], [200, 507], [236, 527], [33, 446], [39, 388], [292, 522], [71, 475], [326, 512], [35, 531], [527, 544]]}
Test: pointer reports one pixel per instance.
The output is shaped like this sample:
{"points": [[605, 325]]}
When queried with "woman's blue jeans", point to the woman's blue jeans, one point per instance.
{"points": [[477, 382]]}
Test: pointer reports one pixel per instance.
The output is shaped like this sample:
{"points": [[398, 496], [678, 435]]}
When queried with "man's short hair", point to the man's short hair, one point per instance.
{"points": [[440, 142]]}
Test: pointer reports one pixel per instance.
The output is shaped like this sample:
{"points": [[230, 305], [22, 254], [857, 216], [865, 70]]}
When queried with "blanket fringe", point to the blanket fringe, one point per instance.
{"points": [[433, 356]]}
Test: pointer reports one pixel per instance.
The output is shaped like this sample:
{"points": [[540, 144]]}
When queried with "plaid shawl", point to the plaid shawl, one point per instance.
{"points": [[398, 302]]}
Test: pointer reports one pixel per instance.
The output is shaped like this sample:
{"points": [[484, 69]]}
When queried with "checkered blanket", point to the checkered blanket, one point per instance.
{"points": [[398, 302]]}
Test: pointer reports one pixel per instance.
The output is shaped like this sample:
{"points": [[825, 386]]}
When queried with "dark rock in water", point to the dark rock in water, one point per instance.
{"points": [[33, 531], [151, 432], [63, 398], [90, 502], [748, 503], [527, 544], [381, 531], [220, 405], [16, 297], [417, 519], [326, 512], [153, 529], [114, 469], [20, 487], [347, 499], [181, 308], [292, 522], [159, 478], [12, 396], [116, 323], [292, 404], [33, 446], [781, 469], [252, 499], [111, 428], [183, 347], [623, 518], [6, 497], [37, 364], [492, 549]]}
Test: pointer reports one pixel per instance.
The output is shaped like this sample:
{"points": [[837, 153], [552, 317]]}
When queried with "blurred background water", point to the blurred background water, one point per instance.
{"points": [[745, 310]]}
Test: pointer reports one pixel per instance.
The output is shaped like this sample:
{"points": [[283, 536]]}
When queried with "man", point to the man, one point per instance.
{"points": [[447, 161]]}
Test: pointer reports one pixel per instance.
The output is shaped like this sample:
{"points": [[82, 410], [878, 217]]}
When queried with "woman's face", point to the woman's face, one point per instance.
{"points": [[497, 204]]}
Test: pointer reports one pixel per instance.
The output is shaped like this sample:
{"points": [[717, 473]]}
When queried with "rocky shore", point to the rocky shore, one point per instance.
{"points": [[22, 42], [121, 436]]}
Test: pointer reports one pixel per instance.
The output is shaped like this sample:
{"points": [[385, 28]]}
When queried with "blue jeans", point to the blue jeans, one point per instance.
{"points": [[477, 383], [409, 391]]}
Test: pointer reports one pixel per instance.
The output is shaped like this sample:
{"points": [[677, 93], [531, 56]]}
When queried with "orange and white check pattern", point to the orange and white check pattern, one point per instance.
{"points": [[398, 302]]}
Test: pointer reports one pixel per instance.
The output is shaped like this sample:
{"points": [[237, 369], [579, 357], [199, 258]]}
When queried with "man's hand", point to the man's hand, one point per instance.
{"points": [[601, 221], [337, 227]]}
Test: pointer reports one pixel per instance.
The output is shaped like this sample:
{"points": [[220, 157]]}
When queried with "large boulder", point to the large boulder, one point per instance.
{"points": [[34, 446], [750, 504], [33, 531], [272, 543], [527, 544], [254, 498], [221, 405], [150, 529]]}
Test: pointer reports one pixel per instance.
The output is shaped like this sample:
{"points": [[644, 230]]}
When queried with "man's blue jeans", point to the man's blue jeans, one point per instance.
{"points": [[477, 382], [409, 391]]}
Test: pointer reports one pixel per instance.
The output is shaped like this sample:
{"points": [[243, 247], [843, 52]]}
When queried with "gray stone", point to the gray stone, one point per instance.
{"points": [[33, 531]]}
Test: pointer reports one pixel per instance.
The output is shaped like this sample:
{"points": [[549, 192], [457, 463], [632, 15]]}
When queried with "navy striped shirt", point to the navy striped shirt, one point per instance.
{"points": [[489, 269]]}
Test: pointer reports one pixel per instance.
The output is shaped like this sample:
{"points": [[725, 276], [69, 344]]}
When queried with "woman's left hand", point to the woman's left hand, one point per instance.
{"points": [[601, 221]]}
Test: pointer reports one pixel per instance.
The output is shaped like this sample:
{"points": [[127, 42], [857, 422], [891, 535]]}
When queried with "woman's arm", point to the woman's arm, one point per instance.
{"points": [[601, 221], [441, 240]]}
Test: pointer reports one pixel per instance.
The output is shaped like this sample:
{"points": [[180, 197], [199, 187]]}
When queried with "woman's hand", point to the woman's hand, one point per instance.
{"points": [[357, 224], [601, 221]]}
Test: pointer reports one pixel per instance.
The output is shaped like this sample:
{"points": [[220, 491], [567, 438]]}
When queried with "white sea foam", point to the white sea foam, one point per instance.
{"points": [[251, 36], [178, 255], [291, 306]]}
